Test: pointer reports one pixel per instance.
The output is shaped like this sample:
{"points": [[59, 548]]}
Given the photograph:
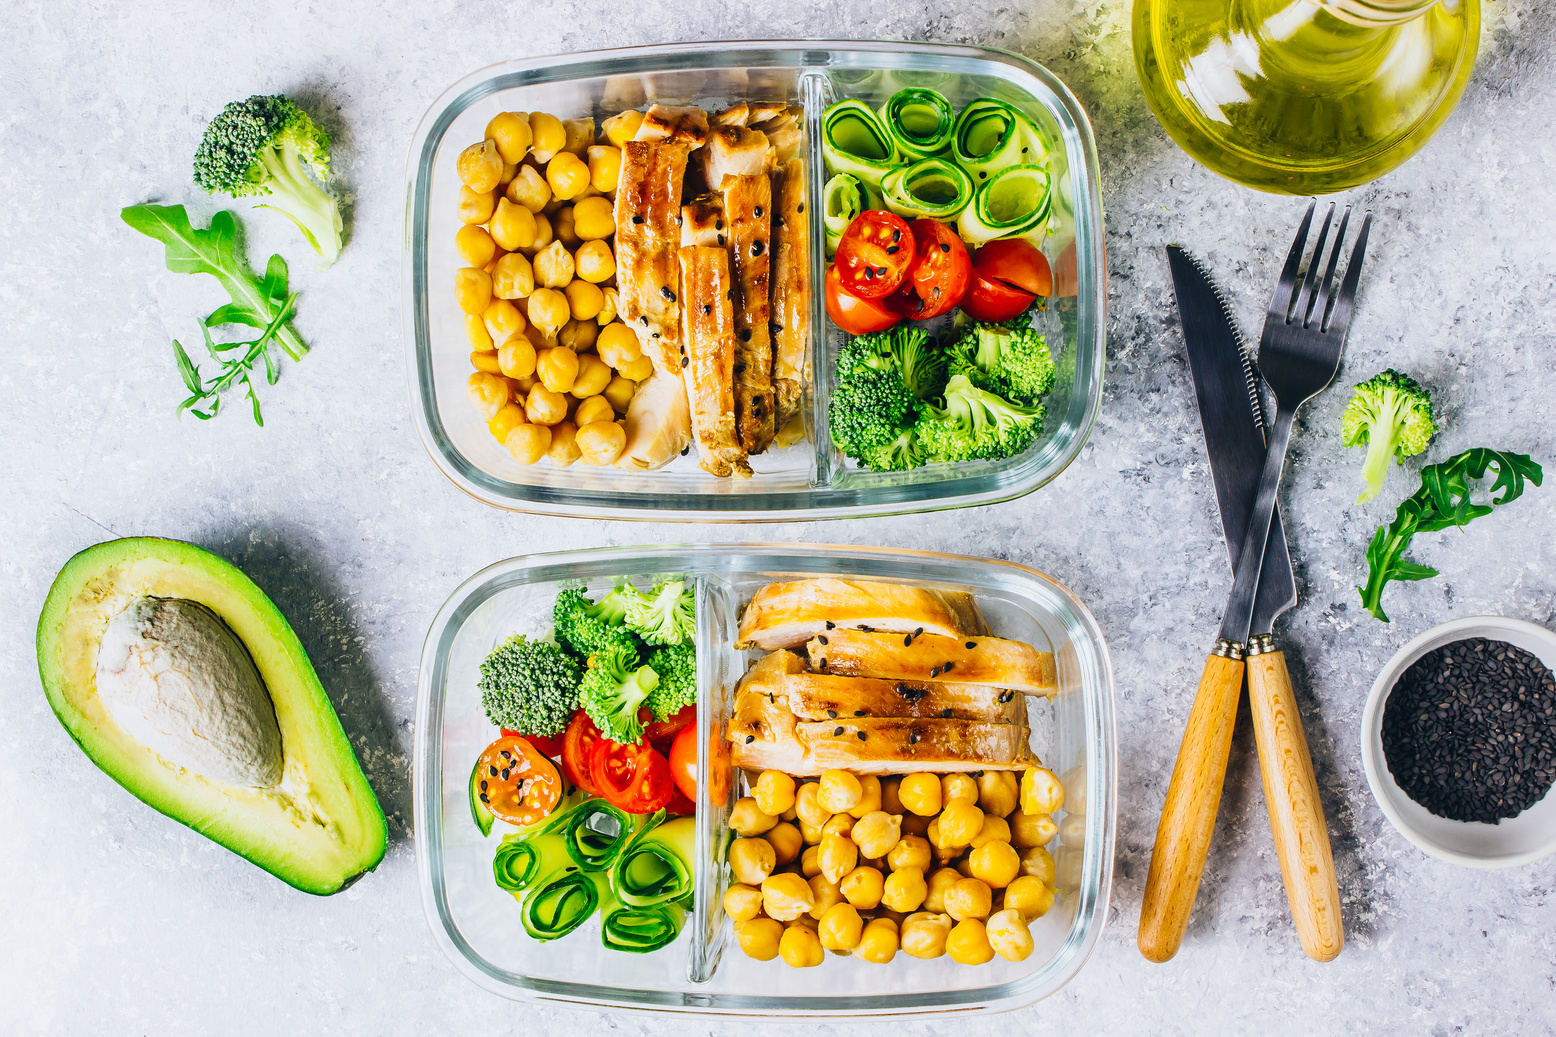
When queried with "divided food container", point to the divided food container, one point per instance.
{"points": [[810, 479], [477, 924]]}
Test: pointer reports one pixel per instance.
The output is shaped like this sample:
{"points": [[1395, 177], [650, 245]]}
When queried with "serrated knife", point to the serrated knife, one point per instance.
{"points": [[1231, 413]]}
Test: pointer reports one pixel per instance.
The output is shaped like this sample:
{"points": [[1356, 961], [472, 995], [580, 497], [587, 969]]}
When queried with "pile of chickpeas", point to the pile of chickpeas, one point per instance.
{"points": [[554, 368], [868, 866]]}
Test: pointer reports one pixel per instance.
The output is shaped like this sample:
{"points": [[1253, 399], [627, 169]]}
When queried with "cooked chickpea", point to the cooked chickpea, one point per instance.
{"points": [[920, 794], [911, 851], [622, 127], [601, 442], [503, 320], [742, 902], [618, 345], [807, 804], [840, 791], [557, 368], [1072, 830], [486, 362], [968, 943], [786, 841], [543, 235], [585, 299], [472, 289], [508, 417], [863, 887], [475, 331], [969, 898], [578, 134], [824, 894], [998, 792], [904, 889], [539, 337], [553, 266], [878, 941], [960, 822], [564, 230], [924, 934], [529, 190], [958, 788], [488, 392], [837, 856], [869, 796], [475, 206], [840, 928], [604, 170], [512, 277], [528, 443], [774, 792], [786, 896], [595, 408], [1074, 785], [800, 947], [619, 392], [480, 166], [1029, 830], [510, 132], [838, 824], [1029, 895], [509, 171], [548, 310], [810, 860], [564, 444], [1009, 936], [568, 176], [914, 824], [520, 388], [746, 818], [759, 937], [639, 370], [995, 863], [608, 311], [1041, 792], [592, 378], [1067, 868], [512, 226], [994, 830], [516, 358], [890, 801], [579, 335], [547, 137], [937, 885], [593, 218], [475, 245], [1038, 863], [752, 860], [877, 832], [544, 407]]}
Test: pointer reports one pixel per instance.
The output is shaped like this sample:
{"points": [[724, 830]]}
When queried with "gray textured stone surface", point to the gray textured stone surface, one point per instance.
{"points": [[118, 920]]}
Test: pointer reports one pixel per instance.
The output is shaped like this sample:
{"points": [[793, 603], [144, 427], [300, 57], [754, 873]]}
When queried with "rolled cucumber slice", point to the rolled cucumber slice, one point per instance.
{"points": [[920, 122], [855, 141], [931, 187], [1012, 203], [992, 135], [844, 198]]}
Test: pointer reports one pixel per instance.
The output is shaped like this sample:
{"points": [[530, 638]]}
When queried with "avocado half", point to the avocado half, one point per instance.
{"points": [[320, 826]]}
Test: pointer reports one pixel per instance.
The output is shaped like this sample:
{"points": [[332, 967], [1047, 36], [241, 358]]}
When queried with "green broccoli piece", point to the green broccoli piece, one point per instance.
{"points": [[905, 348], [588, 627], [266, 147], [676, 666], [869, 409], [613, 688], [976, 424], [900, 455], [1013, 363], [529, 686], [665, 615], [1392, 414]]}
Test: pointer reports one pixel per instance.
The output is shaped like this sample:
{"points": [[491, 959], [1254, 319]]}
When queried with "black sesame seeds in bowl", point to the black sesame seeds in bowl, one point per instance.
{"points": [[1459, 741]]}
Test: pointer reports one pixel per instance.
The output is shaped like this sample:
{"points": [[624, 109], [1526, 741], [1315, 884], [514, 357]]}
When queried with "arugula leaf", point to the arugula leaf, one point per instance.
{"points": [[1443, 501]]}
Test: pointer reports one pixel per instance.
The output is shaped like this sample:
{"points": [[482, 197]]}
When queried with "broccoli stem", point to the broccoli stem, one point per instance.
{"points": [[295, 196]]}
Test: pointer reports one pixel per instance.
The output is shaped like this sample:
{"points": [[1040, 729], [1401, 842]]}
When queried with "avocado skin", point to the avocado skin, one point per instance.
{"points": [[320, 844]]}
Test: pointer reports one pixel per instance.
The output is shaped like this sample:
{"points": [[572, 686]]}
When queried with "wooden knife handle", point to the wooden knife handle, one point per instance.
{"points": [[1189, 815], [1296, 812]]}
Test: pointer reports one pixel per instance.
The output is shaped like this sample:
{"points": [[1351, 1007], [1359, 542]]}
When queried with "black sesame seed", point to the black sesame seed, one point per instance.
{"points": [[893, 250], [492, 770], [665, 291], [685, 360], [504, 774], [912, 737], [643, 321], [944, 247], [981, 174], [800, 207], [971, 645], [750, 739], [718, 224], [756, 248], [721, 241], [862, 735], [637, 219], [858, 712], [655, 335], [757, 212], [483, 786], [907, 639], [740, 368], [685, 449], [869, 273], [505, 754], [831, 625], [745, 335], [896, 234], [484, 798], [934, 671], [946, 713], [836, 732], [707, 307], [946, 668], [918, 631], [823, 637], [832, 713]]}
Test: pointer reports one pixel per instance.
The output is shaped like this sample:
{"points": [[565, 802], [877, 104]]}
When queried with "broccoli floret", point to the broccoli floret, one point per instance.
{"points": [[976, 424], [869, 409], [266, 147], [529, 686], [1013, 363], [663, 616], [906, 348], [588, 627], [613, 688], [899, 455], [677, 669], [1392, 414]]}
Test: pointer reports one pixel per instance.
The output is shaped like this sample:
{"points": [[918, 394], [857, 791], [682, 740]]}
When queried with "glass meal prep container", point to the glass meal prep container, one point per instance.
{"points": [[477, 924], [810, 479]]}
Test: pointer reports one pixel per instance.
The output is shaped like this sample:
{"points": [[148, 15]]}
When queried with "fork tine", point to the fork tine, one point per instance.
{"points": [[1325, 288], [1304, 308], [1341, 318], [1280, 301]]}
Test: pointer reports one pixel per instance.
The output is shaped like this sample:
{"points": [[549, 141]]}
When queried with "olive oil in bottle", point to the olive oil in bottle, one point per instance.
{"points": [[1304, 96]]}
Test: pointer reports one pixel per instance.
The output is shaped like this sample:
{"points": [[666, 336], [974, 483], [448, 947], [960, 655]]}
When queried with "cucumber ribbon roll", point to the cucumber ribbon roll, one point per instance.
{"points": [[930, 187], [1012, 203], [562, 902], [854, 140], [638, 930], [587, 836], [920, 122], [656, 866], [843, 199], [992, 135]]}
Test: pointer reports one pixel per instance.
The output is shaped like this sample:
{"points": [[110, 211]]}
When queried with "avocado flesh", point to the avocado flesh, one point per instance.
{"points": [[319, 825]]}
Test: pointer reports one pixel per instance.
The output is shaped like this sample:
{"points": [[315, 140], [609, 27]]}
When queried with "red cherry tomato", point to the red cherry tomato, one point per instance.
{"points": [[546, 745], [858, 316], [1018, 263], [517, 784], [578, 743], [874, 254], [660, 733], [683, 762], [938, 276], [632, 777], [994, 300]]}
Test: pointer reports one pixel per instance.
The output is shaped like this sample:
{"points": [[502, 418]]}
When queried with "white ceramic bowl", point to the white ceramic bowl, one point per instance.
{"points": [[1518, 840]]}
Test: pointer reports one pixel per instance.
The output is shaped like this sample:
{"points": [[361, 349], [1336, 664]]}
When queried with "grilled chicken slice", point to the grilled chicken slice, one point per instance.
{"points": [[824, 696], [785, 129], [786, 615], [790, 301], [674, 122], [658, 423], [734, 151], [748, 204], [934, 657], [747, 113], [702, 221], [648, 204], [893, 745], [709, 361], [762, 721]]}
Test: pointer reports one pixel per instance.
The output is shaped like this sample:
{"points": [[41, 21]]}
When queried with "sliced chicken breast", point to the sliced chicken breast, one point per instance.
{"points": [[683, 123], [933, 657], [658, 424], [761, 722], [785, 129], [890, 745], [648, 208], [748, 206], [790, 300], [786, 615], [825, 696], [734, 151], [708, 364], [702, 221]]}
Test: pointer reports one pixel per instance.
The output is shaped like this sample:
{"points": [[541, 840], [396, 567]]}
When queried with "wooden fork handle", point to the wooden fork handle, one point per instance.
{"points": [[1296, 812], [1193, 797]]}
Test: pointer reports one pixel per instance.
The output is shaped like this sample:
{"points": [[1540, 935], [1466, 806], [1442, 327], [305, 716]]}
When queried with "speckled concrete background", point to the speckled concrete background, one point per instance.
{"points": [[119, 921]]}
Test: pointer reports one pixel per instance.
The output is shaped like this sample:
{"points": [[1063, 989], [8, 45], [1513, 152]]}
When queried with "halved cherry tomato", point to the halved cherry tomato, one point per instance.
{"points": [[546, 745], [874, 254], [858, 316], [516, 783], [679, 805], [683, 762], [994, 300], [938, 277], [660, 733], [1016, 262], [578, 743], [632, 777]]}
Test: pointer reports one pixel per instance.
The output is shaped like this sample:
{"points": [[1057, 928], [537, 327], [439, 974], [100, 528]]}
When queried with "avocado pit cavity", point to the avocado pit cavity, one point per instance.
{"points": [[178, 680]]}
